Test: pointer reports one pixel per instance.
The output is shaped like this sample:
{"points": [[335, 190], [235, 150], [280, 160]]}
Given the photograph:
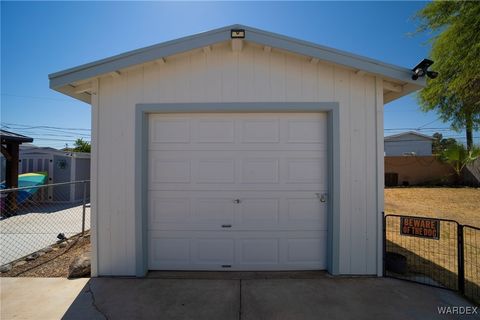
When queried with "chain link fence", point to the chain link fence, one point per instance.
{"points": [[35, 217]]}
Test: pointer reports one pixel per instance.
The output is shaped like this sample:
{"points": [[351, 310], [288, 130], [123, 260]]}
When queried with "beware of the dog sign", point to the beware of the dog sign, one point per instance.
{"points": [[420, 227]]}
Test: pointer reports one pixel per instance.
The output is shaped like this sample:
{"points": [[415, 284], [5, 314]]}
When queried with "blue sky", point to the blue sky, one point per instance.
{"points": [[38, 38]]}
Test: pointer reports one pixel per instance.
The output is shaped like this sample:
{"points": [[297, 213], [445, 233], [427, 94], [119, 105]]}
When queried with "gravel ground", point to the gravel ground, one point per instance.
{"points": [[54, 263]]}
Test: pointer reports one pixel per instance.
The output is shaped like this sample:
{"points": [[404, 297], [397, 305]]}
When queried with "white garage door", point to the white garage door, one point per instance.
{"points": [[237, 191]]}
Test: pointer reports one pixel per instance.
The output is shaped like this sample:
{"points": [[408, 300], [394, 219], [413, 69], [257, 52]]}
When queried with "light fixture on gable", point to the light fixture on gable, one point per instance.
{"points": [[237, 33]]}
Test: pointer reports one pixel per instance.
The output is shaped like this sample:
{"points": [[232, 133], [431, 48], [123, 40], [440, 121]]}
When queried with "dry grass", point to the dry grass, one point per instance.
{"points": [[460, 204], [54, 263]]}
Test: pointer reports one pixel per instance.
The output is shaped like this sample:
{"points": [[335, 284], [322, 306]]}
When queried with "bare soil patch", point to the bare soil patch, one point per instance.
{"points": [[54, 263]]}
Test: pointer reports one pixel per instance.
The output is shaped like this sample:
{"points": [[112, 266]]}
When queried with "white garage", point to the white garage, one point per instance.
{"points": [[236, 149]]}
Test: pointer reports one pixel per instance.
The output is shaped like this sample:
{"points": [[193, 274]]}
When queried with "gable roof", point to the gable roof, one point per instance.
{"points": [[64, 81], [399, 135]]}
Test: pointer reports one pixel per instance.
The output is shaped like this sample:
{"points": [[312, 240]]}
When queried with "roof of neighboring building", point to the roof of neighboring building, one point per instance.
{"points": [[8, 137], [399, 135], [69, 81], [32, 149]]}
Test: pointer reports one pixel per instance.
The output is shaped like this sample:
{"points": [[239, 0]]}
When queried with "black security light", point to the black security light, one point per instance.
{"points": [[421, 69]]}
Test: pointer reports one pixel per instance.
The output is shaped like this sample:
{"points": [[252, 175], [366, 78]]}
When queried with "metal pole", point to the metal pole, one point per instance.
{"points": [[461, 265], [384, 242], [84, 205]]}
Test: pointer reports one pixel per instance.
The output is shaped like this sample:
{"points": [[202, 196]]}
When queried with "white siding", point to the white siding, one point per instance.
{"points": [[251, 75]]}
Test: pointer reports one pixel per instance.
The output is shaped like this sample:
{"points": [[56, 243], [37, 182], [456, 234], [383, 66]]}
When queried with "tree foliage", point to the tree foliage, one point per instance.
{"points": [[81, 145], [440, 143], [455, 93], [457, 156]]}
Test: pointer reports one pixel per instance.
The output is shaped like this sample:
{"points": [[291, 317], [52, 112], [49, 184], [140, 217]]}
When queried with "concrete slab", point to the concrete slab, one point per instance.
{"points": [[249, 296], [346, 298], [37, 298], [159, 298]]}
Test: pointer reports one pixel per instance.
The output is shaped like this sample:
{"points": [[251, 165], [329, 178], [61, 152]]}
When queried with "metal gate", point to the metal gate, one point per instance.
{"points": [[436, 252]]}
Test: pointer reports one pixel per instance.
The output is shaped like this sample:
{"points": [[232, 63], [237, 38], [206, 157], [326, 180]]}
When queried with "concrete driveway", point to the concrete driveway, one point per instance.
{"points": [[38, 228], [255, 296]]}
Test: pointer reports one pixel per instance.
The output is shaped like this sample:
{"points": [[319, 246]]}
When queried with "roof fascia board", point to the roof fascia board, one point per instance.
{"points": [[332, 55], [138, 57]]}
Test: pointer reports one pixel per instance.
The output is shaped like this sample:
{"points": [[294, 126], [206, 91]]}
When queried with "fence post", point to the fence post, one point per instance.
{"points": [[461, 265], [384, 241], [84, 205]]}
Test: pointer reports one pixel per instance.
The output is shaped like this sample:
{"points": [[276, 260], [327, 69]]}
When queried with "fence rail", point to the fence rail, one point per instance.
{"points": [[436, 252], [35, 217]]}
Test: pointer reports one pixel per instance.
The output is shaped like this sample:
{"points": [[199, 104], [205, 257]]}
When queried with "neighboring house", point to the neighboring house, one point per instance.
{"points": [[409, 143], [236, 149], [61, 166]]}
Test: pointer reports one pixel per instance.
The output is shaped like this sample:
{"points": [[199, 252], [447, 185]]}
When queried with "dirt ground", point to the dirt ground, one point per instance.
{"points": [[460, 204], [54, 263]]}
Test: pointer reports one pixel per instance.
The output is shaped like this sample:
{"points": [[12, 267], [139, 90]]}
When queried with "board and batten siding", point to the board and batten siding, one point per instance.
{"points": [[251, 75]]}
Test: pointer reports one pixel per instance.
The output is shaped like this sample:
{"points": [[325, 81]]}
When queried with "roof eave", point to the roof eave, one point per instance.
{"points": [[62, 81]]}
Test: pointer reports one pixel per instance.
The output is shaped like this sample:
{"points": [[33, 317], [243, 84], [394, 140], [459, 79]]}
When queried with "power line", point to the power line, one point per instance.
{"points": [[426, 124], [420, 129], [49, 132], [43, 127]]}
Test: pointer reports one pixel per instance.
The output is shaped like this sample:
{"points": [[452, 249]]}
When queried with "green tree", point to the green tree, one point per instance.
{"points": [[455, 93], [440, 143], [457, 156], [81, 145]]}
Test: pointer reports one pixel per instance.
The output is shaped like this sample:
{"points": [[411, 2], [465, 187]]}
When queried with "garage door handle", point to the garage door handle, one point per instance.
{"points": [[226, 225]]}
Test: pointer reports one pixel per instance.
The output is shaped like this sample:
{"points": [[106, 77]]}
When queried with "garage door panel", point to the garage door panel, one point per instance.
{"points": [[168, 130], [237, 191], [260, 131], [306, 250], [214, 251], [235, 169], [213, 131], [214, 171], [306, 171], [306, 131], [213, 211], [170, 170], [170, 250], [259, 212], [260, 170], [306, 211], [193, 210], [254, 250], [259, 251], [169, 210]]}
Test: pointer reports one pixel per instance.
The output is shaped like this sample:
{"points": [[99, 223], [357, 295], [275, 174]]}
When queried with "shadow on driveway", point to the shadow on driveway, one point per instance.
{"points": [[178, 295]]}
